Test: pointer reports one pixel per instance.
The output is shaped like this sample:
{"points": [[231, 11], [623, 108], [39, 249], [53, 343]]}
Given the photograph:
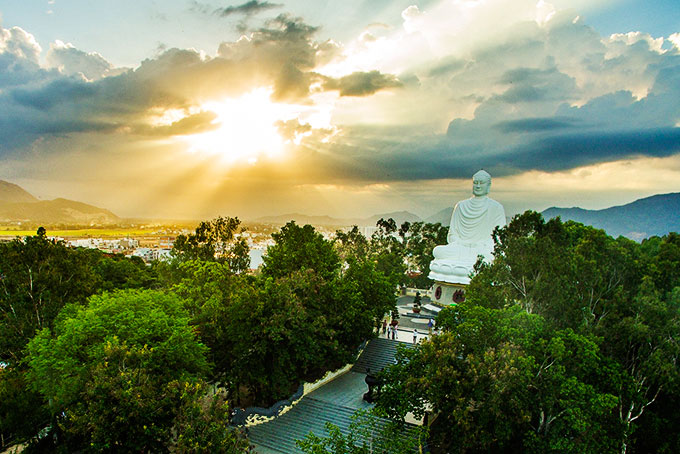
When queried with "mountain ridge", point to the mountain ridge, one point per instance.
{"points": [[19, 206], [13, 193], [654, 215]]}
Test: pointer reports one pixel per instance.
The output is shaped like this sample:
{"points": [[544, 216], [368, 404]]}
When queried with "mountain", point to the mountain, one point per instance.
{"points": [[655, 215], [399, 216], [11, 193], [443, 217], [17, 205]]}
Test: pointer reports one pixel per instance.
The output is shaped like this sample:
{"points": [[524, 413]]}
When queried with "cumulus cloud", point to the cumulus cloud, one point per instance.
{"points": [[552, 95], [675, 40], [78, 87], [19, 53], [293, 130], [18, 42], [507, 85], [70, 61]]}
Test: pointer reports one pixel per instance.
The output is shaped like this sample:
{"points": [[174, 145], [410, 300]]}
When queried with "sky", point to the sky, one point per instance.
{"points": [[199, 108]]}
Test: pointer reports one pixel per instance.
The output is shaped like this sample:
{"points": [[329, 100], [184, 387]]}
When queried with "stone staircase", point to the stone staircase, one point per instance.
{"points": [[309, 415], [334, 402], [378, 354]]}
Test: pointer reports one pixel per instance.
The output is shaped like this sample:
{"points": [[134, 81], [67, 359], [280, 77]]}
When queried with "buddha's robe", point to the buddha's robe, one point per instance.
{"points": [[472, 223]]}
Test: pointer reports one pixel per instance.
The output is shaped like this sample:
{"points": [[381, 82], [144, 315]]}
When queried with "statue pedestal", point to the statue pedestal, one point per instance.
{"points": [[447, 293]]}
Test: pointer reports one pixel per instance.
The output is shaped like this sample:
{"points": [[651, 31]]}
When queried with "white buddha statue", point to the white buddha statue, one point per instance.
{"points": [[472, 224]]}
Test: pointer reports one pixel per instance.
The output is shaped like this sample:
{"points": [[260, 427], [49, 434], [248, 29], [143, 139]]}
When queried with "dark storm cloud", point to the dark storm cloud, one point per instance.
{"points": [[362, 83], [573, 150], [444, 158], [508, 138], [53, 94], [247, 9], [15, 71], [535, 124], [22, 129], [281, 54]]}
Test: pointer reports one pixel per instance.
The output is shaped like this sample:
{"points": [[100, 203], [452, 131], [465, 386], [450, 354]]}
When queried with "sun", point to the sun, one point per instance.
{"points": [[246, 127]]}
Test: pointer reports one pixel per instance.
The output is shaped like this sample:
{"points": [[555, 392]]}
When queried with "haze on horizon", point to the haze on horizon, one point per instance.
{"points": [[193, 109]]}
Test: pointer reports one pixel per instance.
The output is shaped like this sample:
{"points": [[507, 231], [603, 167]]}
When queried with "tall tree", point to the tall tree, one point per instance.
{"points": [[300, 248], [352, 245], [419, 242], [503, 380], [215, 240], [567, 342], [114, 371], [387, 250], [38, 277]]}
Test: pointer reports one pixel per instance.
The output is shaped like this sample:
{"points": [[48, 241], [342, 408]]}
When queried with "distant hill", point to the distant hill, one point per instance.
{"points": [[655, 215], [17, 205], [399, 216], [11, 193], [443, 216]]}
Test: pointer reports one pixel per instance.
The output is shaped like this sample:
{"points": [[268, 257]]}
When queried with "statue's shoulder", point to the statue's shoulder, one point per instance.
{"points": [[496, 207], [495, 203]]}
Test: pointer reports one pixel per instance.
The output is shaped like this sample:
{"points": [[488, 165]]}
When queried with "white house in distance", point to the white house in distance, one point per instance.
{"points": [[149, 254]]}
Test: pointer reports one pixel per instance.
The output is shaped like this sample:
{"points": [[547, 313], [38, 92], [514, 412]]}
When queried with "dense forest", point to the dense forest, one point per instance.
{"points": [[104, 353], [567, 342]]}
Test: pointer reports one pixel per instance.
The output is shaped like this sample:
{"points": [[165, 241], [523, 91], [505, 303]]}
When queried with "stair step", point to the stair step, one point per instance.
{"points": [[311, 413], [378, 354]]}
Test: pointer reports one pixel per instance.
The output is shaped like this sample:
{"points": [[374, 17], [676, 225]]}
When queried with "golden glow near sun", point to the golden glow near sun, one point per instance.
{"points": [[247, 127]]}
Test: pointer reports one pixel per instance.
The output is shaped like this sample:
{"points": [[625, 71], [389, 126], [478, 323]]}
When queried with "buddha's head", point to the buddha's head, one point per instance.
{"points": [[481, 183]]}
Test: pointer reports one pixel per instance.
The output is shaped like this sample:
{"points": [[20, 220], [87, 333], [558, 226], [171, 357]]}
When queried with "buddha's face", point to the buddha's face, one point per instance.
{"points": [[480, 186]]}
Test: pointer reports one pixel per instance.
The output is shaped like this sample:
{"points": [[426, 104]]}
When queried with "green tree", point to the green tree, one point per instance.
{"points": [[376, 298], [571, 274], [268, 335], [576, 277], [419, 243], [22, 412], [301, 317], [215, 240], [37, 278], [665, 264], [352, 245], [113, 371], [120, 272], [644, 341], [366, 434], [300, 248], [502, 380], [202, 424], [387, 250]]}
